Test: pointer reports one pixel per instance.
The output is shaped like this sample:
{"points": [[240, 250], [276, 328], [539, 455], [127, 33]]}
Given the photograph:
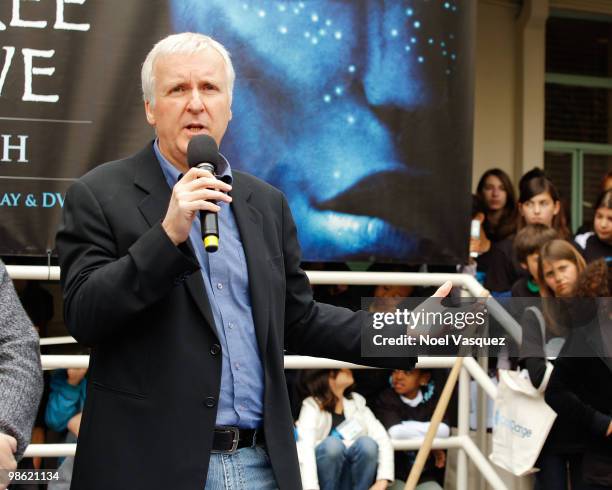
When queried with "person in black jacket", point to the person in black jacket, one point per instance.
{"points": [[559, 266], [405, 409], [580, 387], [186, 371]]}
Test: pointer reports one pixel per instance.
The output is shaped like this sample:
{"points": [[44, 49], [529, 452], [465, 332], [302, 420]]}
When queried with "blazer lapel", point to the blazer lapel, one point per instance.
{"points": [[250, 226], [150, 178], [195, 286]]}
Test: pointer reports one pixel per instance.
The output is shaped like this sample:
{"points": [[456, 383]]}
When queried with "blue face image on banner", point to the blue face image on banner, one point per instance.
{"points": [[359, 111]]}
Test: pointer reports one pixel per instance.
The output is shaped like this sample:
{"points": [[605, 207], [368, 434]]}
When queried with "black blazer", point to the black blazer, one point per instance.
{"points": [[140, 303], [580, 391]]}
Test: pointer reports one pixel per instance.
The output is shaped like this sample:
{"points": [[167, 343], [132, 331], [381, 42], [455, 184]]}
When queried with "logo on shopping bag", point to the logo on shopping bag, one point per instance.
{"points": [[512, 425]]}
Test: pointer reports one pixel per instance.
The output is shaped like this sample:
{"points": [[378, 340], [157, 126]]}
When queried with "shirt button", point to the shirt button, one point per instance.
{"points": [[215, 349], [210, 401], [219, 285], [231, 325], [237, 365]]}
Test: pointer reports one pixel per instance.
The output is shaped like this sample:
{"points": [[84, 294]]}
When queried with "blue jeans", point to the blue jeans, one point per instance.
{"points": [[246, 469], [341, 467]]}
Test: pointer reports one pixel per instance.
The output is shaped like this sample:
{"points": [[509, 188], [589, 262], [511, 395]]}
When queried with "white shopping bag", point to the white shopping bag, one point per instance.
{"points": [[521, 421]]}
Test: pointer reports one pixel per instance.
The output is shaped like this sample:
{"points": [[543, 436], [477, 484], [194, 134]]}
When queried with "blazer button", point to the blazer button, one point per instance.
{"points": [[210, 401], [215, 349]]}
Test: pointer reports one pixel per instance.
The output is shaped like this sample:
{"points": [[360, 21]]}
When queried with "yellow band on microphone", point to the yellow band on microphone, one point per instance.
{"points": [[211, 243]]}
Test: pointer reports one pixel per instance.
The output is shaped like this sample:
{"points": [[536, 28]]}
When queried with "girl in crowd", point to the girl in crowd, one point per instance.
{"points": [[341, 444], [405, 410], [598, 243], [496, 196], [496, 192], [559, 266], [579, 388], [539, 202]]}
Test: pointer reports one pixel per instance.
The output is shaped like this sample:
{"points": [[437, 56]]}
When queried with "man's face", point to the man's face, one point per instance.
{"points": [[354, 109], [191, 97]]}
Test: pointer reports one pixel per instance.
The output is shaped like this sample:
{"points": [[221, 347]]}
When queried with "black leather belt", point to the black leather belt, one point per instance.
{"points": [[227, 439]]}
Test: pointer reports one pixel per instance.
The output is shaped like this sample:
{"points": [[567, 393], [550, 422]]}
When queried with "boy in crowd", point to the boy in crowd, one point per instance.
{"points": [[527, 246]]}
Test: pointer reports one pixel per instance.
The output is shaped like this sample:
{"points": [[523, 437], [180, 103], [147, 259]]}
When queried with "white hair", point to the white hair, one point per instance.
{"points": [[183, 43]]}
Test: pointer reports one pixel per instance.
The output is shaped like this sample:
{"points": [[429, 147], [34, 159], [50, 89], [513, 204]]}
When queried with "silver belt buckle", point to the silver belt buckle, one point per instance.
{"points": [[236, 434]]}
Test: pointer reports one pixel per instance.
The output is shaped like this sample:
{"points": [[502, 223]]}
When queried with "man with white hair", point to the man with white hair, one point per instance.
{"points": [[187, 388]]}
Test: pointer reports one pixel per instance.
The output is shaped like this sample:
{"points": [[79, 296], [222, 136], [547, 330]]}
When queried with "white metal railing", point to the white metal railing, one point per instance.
{"points": [[307, 362], [41, 272], [462, 441], [58, 340], [34, 272], [470, 368]]}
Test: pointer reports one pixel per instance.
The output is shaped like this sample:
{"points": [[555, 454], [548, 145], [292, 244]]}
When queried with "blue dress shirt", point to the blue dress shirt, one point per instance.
{"points": [[226, 281]]}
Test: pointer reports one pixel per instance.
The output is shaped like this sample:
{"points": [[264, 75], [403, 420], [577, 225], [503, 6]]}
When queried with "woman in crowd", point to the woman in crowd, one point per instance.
{"points": [[341, 444], [492, 260], [496, 195], [598, 243], [580, 385], [496, 192], [539, 202], [559, 266]]}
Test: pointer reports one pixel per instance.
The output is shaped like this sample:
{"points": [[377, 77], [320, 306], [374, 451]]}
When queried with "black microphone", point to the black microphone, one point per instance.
{"points": [[202, 152]]}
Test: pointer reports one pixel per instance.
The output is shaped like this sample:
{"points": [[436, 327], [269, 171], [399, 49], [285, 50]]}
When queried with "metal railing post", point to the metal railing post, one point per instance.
{"points": [[481, 418], [463, 426]]}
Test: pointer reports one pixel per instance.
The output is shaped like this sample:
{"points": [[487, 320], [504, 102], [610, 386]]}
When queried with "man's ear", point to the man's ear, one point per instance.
{"points": [[557, 208], [523, 265], [149, 113]]}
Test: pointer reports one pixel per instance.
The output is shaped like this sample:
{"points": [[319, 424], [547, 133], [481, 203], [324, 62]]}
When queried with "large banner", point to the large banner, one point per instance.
{"points": [[360, 111]]}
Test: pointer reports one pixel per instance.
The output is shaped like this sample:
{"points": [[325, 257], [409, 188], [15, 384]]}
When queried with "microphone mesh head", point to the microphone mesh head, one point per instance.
{"points": [[203, 149]]}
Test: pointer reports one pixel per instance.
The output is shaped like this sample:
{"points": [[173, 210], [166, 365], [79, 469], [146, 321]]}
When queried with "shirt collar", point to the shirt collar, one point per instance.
{"points": [[413, 402], [173, 175]]}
